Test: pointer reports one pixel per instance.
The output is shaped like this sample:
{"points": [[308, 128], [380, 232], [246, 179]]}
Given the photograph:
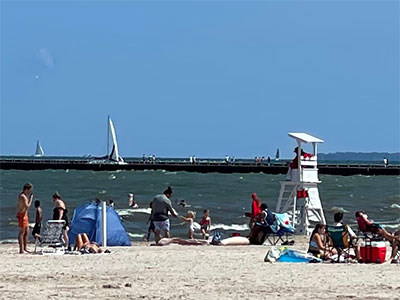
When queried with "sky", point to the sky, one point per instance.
{"points": [[204, 78]]}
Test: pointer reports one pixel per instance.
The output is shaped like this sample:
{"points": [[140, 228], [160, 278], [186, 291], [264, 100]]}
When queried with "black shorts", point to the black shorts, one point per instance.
{"points": [[36, 229]]}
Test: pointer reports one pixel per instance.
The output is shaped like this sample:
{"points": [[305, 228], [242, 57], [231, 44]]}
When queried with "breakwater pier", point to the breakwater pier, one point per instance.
{"points": [[206, 166]]}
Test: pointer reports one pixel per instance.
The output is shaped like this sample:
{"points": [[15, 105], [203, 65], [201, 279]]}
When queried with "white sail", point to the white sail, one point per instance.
{"points": [[114, 155], [39, 150]]}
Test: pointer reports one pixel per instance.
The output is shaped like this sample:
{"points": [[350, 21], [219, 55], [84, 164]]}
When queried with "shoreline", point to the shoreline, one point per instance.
{"points": [[188, 272]]}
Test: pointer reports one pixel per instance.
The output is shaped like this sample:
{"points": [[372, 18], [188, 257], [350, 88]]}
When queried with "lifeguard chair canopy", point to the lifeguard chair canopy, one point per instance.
{"points": [[305, 137]]}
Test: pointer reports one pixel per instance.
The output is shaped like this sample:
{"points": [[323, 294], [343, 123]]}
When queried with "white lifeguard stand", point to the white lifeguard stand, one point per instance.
{"points": [[299, 195]]}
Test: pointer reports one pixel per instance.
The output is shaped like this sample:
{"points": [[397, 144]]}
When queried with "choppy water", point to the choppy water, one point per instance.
{"points": [[227, 196]]}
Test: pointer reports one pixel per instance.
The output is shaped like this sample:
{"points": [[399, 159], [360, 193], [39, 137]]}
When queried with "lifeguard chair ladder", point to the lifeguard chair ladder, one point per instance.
{"points": [[299, 195]]}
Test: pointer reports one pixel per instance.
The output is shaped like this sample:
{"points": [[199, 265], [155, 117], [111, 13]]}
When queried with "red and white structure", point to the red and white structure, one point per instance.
{"points": [[299, 196]]}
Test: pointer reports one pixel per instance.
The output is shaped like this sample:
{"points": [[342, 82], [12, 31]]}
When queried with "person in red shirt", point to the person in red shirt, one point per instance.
{"points": [[255, 210], [295, 163]]}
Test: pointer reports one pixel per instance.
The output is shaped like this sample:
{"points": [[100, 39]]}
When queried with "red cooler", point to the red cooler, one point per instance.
{"points": [[373, 252]]}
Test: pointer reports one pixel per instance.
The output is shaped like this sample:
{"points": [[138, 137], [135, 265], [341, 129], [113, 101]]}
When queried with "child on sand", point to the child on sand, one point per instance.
{"points": [[151, 226], [189, 220], [38, 219], [205, 223]]}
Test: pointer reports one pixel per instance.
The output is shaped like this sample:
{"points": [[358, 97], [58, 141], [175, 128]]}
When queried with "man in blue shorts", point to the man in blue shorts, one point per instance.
{"points": [[161, 205]]}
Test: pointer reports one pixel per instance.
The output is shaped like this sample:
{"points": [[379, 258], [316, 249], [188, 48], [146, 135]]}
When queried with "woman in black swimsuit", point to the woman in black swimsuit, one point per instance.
{"points": [[60, 213]]}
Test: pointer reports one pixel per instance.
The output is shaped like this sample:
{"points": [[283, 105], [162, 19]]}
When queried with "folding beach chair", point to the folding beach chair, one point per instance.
{"points": [[282, 235], [51, 237], [281, 230], [339, 239]]}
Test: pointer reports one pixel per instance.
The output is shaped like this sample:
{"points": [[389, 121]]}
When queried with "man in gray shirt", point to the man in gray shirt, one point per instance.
{"points": [[161, 205]]}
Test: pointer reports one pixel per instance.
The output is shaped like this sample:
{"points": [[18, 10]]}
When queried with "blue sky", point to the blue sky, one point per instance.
{"points": [[205, 78]]}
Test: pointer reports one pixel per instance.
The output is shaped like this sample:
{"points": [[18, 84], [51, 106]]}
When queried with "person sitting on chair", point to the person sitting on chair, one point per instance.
{"points": [[263, 226], [317, 243], [367, 225], [267, 216], [395, 249], [338, 218]]}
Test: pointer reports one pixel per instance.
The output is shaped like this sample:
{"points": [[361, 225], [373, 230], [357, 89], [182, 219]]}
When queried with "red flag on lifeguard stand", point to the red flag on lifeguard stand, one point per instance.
{"points": [[302, 193]]}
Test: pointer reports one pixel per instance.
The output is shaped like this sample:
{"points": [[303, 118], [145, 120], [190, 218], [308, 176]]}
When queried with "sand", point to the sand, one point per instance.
{"points": [[188, 272]]}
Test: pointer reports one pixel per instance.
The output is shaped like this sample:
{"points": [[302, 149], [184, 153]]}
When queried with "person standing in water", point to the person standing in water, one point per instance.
{"points": [[24, 202], [132, 203]]}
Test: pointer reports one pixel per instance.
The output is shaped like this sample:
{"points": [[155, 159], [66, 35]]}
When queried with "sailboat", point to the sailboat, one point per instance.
{"points": [[277, 154], [39, 150], [113, 156]]}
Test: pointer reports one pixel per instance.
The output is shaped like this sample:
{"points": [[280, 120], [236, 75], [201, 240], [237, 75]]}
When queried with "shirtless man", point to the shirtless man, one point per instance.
{"points": [[24, 202]]}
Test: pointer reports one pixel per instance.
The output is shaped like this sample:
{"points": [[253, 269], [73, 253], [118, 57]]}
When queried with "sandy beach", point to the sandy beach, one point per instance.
{"points": [[188, 272]]}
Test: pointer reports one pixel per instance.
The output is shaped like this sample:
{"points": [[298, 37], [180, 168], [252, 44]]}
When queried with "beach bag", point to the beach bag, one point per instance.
{"points": [[272, 255], [216, 238]]}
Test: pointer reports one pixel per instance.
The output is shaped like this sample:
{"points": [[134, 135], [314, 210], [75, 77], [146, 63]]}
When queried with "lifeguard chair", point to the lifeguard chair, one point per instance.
{"points": [[299, 195]]}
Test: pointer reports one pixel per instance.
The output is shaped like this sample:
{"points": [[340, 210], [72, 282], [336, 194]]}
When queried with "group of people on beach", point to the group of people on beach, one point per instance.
{"points": [[60, 212], [161, 206], [321, 246], [25, 199], [261, 220]]}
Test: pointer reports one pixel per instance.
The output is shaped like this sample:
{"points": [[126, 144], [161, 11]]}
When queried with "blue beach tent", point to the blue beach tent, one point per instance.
{"points": [[88, 219]]}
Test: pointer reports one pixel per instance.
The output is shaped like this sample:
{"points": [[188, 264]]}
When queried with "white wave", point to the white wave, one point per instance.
{"points": [[339, 209], [394, 205], [136, 235], [124, 212], [9, 241], [196, 226], [132, 211], [31, 225], [112, 177], [170, 173], [146, 211], [392, 226], [237, 227]]}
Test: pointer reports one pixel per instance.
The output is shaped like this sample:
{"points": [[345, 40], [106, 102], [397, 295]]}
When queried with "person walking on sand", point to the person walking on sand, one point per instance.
{"points": [[151, 223], [38, 219], [24, 202], [255, 210], [161, 205]]}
